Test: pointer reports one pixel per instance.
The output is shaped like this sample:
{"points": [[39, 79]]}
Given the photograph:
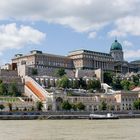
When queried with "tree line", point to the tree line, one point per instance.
{"points": [[9, 89], [119, 83], [91, 84], [68, 106], [81, 83]]}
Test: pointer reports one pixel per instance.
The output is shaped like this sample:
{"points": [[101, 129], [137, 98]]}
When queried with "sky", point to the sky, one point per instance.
{"points": [[61, 26]]}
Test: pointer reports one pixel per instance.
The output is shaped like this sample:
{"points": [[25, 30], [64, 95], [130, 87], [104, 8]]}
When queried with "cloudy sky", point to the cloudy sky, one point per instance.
{"points": [[60, 26]]}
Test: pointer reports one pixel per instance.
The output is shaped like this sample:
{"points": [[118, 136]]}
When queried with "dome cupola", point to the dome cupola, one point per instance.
{"points": [[116, 46], [116, 51]]}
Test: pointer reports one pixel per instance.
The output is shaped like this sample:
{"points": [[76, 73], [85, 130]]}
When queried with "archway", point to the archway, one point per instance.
{"points": [[59, 101]]}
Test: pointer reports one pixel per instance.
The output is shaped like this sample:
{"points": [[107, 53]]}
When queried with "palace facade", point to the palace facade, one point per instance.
{"points": [[76, 60]]}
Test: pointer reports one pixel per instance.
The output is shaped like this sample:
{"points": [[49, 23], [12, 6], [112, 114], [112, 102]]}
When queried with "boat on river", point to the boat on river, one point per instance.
{"points": [[99, 116]]}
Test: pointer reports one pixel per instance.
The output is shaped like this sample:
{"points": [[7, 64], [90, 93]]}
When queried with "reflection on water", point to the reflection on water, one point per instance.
{"points": [[122, 129]]}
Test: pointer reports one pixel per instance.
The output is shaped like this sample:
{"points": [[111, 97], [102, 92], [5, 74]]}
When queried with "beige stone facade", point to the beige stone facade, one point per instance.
{"points": [[82, 59], [42, 60], [91, 103], [46, 64], [85, 59], [126, 99]]}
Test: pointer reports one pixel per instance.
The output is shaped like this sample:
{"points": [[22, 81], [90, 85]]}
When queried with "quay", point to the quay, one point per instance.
{"points": [[60, 115]]}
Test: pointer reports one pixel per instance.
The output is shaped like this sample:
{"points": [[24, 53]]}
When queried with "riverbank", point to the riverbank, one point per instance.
{"points": [[42, 117], [61, 115]]}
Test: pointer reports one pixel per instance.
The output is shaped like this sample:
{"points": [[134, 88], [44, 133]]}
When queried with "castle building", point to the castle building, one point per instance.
{"points": [[77, 60], [38, 59]]}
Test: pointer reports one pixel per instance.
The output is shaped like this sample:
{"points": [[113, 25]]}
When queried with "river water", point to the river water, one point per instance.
{"points": [[122, 129]]}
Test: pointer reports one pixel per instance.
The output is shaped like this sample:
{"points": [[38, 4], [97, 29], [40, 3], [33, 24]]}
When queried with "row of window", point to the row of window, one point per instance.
{"points": [[93, 57], [129, 99], [127, 105]]}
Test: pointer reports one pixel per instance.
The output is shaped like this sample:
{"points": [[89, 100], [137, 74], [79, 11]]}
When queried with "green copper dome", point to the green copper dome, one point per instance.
{"points": [[116, 46]]}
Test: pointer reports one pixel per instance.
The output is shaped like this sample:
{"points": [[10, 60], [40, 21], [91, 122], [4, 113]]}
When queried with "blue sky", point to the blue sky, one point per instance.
{"points": [[59, 27]]}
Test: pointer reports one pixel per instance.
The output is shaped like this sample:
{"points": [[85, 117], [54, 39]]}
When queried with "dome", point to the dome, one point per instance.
{"points": [[116, 46]]}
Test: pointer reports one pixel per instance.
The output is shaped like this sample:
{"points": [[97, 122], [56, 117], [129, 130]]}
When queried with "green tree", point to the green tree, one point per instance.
{"points": [[103, 105], [97, 84], [75, 84], [63, 82], [74, 107], [70, 83], [34, 71], [39, 105], [60, 72], [131, 85], [3, 89], [80, 106], [117, 84], [125, 84], [2, 106], [136, 104], [90, 84], [108, 77], [13, 90], [94, 84], [136, 80], [82, 83], [66, 105]]}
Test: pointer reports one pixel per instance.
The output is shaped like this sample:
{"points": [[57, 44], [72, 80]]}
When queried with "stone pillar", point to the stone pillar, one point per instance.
{"points": [[45, 105], [53, 104]]}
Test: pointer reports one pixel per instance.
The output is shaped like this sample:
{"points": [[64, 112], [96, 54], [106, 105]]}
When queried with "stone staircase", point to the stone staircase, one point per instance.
{"points": [[37, 92]]}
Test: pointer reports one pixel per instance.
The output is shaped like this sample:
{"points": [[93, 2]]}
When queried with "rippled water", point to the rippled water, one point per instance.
{"points": [[122, 129]]}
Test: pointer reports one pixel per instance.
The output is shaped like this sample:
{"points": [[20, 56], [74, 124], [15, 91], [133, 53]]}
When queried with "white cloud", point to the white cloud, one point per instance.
{"points": [[92, 35], [127, 43], [13, 37], [81, 15], [132, 54], [127, 26], [116, 33]]}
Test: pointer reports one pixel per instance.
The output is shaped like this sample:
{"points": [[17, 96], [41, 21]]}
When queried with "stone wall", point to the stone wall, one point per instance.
{"points": [[84, 73], [10, 76], [11, 73]]}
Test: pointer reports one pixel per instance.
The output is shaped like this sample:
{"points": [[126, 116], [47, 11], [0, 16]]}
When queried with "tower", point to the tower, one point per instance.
{"points": [[116, 51]]}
